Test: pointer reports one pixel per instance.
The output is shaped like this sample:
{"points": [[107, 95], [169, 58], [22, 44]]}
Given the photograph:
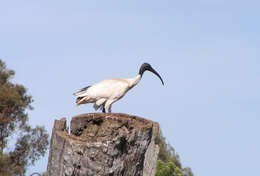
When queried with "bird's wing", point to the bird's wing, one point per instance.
{"points": [[107, 88]]}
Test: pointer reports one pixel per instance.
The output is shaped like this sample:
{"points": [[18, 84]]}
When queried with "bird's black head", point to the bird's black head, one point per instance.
{"points": [[146, 66]]}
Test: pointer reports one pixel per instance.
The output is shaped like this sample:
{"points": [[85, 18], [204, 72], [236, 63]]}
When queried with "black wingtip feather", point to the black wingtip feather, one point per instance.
{"points": [[78, 99], [85, 88]]}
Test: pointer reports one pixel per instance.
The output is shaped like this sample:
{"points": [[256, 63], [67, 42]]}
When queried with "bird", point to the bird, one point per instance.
{"points": [[103, 94]]}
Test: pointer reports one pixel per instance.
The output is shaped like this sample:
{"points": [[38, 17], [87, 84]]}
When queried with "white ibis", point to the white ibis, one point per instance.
{"points": [[105, 93]]}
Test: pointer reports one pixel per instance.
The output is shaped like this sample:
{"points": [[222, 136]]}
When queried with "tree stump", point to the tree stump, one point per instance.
{"points": [[100, 144]]}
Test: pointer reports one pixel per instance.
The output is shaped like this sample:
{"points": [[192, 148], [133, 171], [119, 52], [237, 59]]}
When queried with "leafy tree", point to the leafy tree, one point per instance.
{"points": [[31, 143], [168, 163], [187, 171]]}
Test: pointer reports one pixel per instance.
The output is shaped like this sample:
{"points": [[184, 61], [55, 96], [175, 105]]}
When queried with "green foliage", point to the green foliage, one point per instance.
{"points": [[167, 152], [187, 171], [31, 143], [168, 169], [168, 163]]}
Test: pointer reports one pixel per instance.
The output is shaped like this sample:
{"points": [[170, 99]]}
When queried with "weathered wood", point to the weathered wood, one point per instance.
{"points": [[104, 145]]}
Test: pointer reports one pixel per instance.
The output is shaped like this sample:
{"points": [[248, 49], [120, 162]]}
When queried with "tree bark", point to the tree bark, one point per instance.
{"points": [[102, 144]]}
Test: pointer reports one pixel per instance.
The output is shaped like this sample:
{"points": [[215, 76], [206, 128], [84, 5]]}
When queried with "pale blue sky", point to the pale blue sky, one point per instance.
{"points": [[206, 51]]}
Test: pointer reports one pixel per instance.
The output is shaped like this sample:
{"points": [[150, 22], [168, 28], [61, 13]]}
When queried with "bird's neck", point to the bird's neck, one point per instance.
{"points": [[133, 81]]}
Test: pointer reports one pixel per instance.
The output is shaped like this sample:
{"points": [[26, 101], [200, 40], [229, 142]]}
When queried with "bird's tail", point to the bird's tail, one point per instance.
{"points": [[80, 100]]}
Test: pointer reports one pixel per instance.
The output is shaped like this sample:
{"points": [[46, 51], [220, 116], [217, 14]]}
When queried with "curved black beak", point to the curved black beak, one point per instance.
{"points": [[155, 72]]}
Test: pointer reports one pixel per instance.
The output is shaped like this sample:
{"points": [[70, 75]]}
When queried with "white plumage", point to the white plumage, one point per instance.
{"points": [[105, 93]]}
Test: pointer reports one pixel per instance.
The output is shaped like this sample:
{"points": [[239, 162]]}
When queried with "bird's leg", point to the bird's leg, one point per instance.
{"points": [[109, 104], [103, 110], [109, 108]]}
